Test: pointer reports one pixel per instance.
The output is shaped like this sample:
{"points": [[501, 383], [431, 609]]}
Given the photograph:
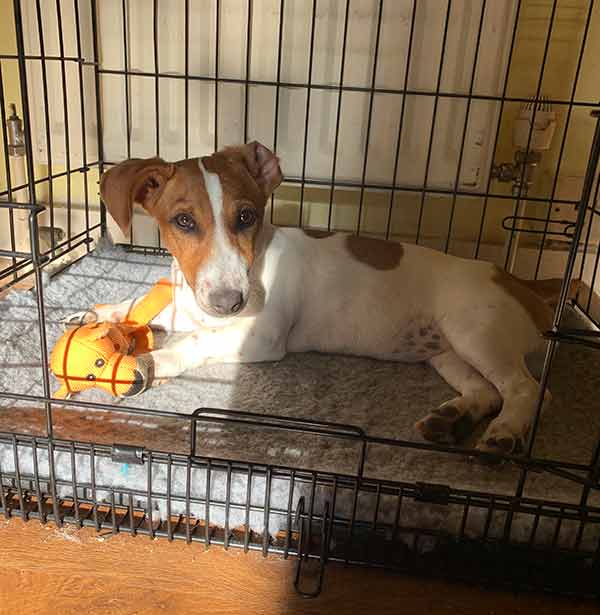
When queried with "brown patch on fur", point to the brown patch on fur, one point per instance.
{"points": [[375, 253], [164, 190], [240, 191], [186, 194], [259, 162], [317, 233], [549, 290], [538, 310], [134, 181], [248, 174]]}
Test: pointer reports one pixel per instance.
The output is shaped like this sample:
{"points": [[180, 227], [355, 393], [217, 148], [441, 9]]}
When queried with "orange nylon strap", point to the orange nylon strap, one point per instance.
{"points": [[151, 304]]}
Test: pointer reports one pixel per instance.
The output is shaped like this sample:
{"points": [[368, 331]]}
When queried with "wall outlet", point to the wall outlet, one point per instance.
{"points": [[474, 154]]}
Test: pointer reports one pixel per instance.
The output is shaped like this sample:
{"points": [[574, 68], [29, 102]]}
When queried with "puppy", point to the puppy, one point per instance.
{"points": [[246, 291]]}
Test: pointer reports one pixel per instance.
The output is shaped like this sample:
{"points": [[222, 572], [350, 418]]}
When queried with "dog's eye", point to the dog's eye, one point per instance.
{"points": [[246, 218], [185, 222]]}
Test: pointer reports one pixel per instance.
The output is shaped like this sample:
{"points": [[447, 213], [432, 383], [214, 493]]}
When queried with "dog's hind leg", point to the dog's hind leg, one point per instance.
{"points": [[498, 353], [455, 419]]}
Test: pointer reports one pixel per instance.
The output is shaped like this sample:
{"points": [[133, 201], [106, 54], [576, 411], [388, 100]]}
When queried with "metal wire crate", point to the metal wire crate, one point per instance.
{"points": [[71, 64]]}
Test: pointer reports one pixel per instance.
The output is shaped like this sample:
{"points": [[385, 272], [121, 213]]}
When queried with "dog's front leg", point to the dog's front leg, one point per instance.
{"points": [[245, 341], [116, 312]]}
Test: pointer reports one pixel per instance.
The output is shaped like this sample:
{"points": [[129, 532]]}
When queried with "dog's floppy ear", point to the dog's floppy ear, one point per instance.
{"points": [[133, 181], [262, 164]]}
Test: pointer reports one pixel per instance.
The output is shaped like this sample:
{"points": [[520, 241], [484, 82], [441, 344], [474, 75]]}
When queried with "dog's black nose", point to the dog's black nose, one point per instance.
{"points": [[226, 301]]}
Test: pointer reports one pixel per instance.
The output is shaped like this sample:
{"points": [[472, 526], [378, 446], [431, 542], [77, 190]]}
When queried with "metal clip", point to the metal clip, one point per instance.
{"points": [[125, 453], [299, 522], [434, 493]]}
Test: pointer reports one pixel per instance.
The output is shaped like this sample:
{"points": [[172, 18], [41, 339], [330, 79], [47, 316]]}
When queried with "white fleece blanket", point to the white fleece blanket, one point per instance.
{"points": [[384, 399]]}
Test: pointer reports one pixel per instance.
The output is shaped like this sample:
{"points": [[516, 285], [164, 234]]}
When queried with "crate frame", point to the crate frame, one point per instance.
{"points": [[309, 534]]}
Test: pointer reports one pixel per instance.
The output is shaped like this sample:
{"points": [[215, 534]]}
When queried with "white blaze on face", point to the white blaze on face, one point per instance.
{"points": [[225, 268]]}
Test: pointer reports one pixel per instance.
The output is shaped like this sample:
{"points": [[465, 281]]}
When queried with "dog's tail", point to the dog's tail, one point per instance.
{"points": [[549, 290]]}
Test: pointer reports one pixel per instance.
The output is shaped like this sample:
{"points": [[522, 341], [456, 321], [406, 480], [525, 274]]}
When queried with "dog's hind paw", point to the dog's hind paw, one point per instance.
{"points": [[445, 425], [500, 439]]}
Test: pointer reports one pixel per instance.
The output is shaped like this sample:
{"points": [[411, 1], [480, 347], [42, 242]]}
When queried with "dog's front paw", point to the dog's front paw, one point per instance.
{"points": [[79, 318]]}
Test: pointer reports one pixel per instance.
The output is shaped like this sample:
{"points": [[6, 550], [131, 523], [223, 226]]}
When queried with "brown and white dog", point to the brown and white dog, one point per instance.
{"points": [[246, 291]]}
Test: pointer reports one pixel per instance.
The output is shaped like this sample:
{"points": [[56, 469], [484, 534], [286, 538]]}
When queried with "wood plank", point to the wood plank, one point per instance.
{"points": [[48, 570]]}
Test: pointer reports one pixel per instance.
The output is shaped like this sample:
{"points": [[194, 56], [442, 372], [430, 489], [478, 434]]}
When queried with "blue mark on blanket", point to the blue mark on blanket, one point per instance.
{"points": [[125, 469]]}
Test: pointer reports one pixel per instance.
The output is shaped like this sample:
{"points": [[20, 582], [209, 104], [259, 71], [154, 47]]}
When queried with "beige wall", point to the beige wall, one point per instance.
{"points": [[12, 94], [557, 83]]}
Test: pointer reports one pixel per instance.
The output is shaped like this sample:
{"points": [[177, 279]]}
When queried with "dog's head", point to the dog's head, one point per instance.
{"points": [[209, 211]]}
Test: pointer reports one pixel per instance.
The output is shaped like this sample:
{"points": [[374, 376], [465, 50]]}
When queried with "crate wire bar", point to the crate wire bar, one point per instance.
{"points": [[313, 535]]}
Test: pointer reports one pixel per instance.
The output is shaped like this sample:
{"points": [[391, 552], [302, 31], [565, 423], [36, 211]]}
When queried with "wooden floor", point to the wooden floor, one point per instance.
{"points": [[47, 570]]}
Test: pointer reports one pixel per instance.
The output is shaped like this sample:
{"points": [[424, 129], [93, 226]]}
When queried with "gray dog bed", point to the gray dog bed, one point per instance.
{"points": [[384, 399]]}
